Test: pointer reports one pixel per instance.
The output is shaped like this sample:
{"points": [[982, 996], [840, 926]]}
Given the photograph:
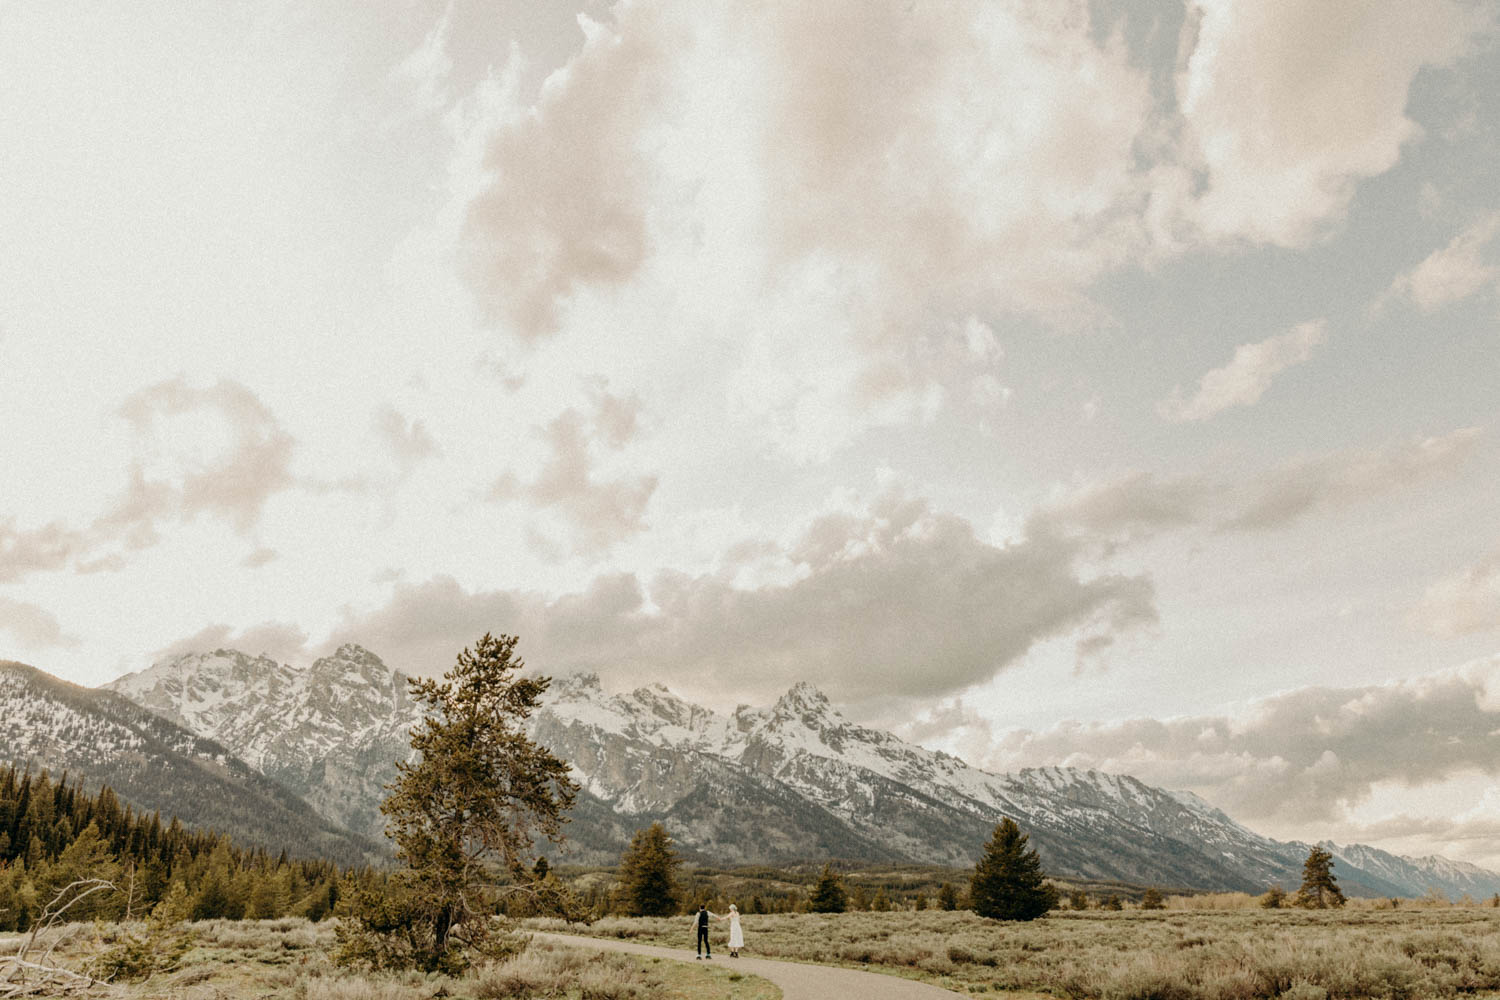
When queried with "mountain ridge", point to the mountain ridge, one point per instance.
{"points": [[104, 738], [773, 784]]}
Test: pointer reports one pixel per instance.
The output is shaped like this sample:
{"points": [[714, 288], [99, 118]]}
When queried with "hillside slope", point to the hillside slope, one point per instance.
{"points": [[155, 765]]}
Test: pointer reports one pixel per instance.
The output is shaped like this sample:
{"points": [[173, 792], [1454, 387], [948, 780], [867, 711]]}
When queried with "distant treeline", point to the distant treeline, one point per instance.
{"points": [[53, 833]]}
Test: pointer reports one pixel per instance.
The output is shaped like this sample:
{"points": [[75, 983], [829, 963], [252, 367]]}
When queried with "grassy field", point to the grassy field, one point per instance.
{"points": [[288, 958], [1246, 954]]}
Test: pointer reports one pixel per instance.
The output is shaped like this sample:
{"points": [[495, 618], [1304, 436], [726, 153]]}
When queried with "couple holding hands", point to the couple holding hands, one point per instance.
{"points": [[736, 936]]}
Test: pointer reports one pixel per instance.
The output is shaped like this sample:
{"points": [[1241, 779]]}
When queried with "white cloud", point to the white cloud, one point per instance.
{"points": [[1289, 105], [281, 641], [1468, 601], [1248, 375], [1465, 267]]}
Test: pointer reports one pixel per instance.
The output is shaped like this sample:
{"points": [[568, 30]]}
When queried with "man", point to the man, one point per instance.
{"points": [[700, 920]]}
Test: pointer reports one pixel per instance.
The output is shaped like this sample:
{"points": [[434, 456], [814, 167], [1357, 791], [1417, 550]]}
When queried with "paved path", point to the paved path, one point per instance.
{"points": [[798, 981]]}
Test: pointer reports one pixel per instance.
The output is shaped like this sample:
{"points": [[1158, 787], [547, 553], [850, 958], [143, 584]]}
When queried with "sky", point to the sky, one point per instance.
{"points": [[1113, 384]]}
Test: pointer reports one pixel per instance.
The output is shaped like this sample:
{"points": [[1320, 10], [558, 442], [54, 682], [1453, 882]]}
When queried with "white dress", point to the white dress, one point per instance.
{"points": [[736, 936]]}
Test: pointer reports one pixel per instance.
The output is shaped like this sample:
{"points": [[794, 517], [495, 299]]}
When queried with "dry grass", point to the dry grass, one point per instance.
{"points": [[1244, 954], [289, 959]]}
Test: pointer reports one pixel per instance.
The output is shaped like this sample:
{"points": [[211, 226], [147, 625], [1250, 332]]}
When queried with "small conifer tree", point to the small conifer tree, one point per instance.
{"points": [[882, 901], [1320, 890], [1008, 882], [1274, 899], [828, 895], [1151, 900], [1079, 900], [947, 897], [1111, 902], [648, 885]]}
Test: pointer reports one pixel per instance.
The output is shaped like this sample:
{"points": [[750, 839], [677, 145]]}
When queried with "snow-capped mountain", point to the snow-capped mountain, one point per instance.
{"points": [[157, 766], [331, 733], [791, 781]]}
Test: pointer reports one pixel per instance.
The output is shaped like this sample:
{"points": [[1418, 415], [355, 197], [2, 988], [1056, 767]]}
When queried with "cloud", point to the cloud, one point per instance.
{"points": [[1140, 505], [408, 441], [37, 550], [1466, 602], [598, 511], [217, 450], [32, 627], [259, 558], [1303, 486], [565, 206], [1304, 755], [829, 219], [281, 641], [1287, 106], [1246, 378], [864, 597], [944, 163], [1465, 267]]}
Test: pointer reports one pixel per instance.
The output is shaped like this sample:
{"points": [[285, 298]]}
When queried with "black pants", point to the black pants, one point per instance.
{"points": [[703, 940]]}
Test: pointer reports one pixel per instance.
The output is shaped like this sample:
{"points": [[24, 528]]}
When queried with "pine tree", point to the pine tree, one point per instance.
{"points": [[648, 884], [828, 895], [475, 800], [947, 897], [1111, 902], [859, 899], [1320, 889], [1079, 900], [1008, 882], [882, 901], [1151, 900], [1274, 899]]}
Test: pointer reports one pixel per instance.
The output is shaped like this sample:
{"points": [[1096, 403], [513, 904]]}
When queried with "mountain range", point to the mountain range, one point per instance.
{"points": [[101, 738], [789, 782]]}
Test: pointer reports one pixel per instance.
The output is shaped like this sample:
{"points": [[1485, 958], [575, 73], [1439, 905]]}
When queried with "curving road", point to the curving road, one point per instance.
{"points": [[797, 981]]}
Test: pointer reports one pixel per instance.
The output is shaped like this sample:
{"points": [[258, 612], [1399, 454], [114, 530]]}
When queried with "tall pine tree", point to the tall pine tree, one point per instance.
{"points": [[464, 815], [648, 884], [1320, 889], [1008, 882]]}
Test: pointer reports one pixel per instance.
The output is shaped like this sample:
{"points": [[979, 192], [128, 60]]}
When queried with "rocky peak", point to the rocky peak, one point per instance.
{"points": [[805, 703], [353, 652]]}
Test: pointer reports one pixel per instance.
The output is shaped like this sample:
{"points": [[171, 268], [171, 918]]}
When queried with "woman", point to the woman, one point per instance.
{"points": [[736, 936]]}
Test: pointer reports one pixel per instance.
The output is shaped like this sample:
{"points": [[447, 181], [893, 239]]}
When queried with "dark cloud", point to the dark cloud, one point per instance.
{"points": [[897, 600], [31, 626], [1303, 755]]}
